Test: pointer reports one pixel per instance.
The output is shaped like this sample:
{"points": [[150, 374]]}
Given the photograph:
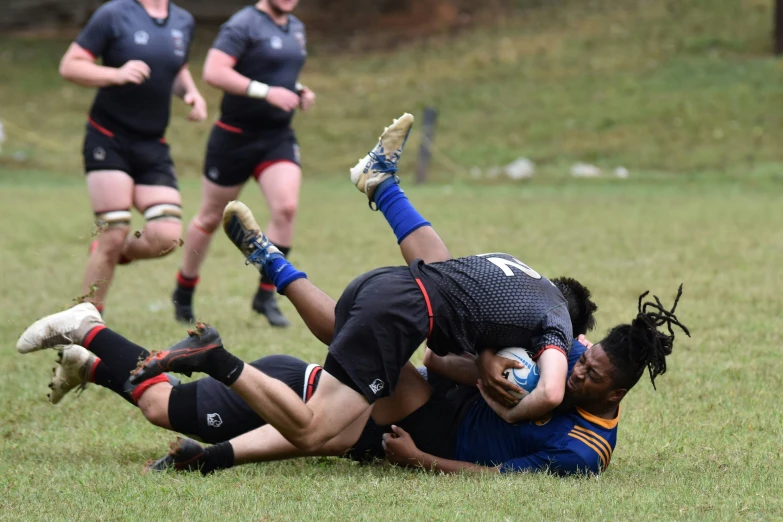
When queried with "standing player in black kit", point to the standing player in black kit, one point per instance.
{"points": [[144, 47], [475, 304], [256, 59]]}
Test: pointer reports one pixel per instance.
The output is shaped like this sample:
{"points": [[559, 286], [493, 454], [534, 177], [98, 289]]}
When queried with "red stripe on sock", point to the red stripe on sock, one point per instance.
{"points": [[268, 287], [94, 367], [91, 335], [187, 282], [146, 385]]}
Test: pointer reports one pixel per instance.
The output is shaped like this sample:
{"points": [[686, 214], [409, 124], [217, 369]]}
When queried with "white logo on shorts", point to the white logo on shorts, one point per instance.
{"points": [[213, 173], [376, 386], [99, 154], [141, 37], [297, 155], [276, 42], [214, 420]]}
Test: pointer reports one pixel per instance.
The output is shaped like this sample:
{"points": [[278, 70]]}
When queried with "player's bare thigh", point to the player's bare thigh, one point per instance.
{"points": [[411, 393]]}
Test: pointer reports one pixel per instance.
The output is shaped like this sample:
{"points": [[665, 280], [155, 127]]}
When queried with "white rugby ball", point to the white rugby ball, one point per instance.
{"points": [[527, 377]]}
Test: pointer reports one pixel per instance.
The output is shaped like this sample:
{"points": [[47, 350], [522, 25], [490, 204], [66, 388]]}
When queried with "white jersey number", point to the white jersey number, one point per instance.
{"points": [[506, 265]]}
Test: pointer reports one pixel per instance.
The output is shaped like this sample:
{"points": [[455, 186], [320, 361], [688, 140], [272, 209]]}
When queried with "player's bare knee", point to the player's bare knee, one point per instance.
{"points": [[285, 213], [154, 404], [208, 220]]}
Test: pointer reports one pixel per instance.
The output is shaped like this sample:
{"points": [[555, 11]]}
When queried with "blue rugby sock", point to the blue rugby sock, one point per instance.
{"points": [[398, 211], [282, 273]]}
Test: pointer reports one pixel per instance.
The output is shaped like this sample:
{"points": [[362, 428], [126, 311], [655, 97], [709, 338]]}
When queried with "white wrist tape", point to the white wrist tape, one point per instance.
{"points": [[299, 87], [257, 90]]}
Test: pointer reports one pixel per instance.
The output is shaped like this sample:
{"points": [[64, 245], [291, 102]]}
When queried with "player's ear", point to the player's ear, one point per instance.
{"points": [[617, 395]]}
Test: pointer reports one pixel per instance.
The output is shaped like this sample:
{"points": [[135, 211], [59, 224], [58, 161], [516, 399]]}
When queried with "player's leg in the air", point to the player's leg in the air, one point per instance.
{"points": [[400, 323], [376, 176]]}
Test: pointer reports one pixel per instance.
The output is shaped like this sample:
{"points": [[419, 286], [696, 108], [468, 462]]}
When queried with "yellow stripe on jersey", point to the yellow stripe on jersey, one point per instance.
{"points": [[598, 439], [577, 435]]}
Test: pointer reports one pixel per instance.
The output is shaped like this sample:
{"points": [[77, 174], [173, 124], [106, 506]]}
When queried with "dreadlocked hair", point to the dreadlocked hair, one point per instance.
{"points": [[580, 307], [633, 347]]}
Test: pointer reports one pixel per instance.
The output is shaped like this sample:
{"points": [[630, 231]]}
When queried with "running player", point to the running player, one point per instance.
{"points": [[470, 304], [255, 59], [144, 47]]}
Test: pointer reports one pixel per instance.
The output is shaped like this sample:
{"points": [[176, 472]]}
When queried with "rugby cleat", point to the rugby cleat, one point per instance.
{"points": [[265, 304], [381, 162], [183, 455], [241, 228], [63, 328], [74, 364], [187, 356]]}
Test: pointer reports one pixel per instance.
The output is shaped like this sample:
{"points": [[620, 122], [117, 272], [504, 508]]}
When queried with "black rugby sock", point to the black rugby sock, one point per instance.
{"points": [[224, 366], [219, 456], [102, 376], [186, 287], [118, 354]]}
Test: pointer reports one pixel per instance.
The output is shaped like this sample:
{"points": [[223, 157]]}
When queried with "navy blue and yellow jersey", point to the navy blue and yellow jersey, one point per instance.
{"points": [[264, 52], [120, 31], [493, 301], [563, 443]]}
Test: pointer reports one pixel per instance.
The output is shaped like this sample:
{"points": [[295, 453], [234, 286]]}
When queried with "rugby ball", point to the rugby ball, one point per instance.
{"points": [[527, 377]]}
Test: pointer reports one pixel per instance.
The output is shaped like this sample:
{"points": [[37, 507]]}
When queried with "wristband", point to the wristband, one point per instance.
{"points": [[299, 87], [257, 90]]}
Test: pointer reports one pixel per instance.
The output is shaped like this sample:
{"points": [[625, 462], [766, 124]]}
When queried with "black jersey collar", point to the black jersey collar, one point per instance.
{"points": [[157, 21], [283, 28]]}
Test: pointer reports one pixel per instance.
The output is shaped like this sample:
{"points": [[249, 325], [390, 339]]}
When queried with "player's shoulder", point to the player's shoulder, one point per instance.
{"points": [[295, 23], [113, 7], [593, 438], [181, 14], [244, 17]]}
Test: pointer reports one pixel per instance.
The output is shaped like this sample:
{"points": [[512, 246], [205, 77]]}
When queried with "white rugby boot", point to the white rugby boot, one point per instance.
{"points": [[381, 162], [60, 329], [74, 365]]}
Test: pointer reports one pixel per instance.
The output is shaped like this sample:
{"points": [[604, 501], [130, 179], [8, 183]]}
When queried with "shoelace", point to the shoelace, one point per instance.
{"points": [[381, 164], [260, 254]]}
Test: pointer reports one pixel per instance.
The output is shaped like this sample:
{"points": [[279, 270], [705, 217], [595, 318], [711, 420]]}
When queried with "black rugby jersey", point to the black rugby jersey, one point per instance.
{"points": [[121, 30], [267, 53], [493, 301]]}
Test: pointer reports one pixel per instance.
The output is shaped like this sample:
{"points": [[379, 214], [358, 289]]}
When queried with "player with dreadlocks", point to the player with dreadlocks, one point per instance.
{"points": [[454, 427], [457, 430]]}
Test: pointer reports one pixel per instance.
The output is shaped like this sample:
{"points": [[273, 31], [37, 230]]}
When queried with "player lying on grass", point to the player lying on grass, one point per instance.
{"points": [[476, 303], [446, 427]]}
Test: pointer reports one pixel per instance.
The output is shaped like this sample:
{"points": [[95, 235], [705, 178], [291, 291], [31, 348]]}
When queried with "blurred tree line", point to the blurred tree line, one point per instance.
{"points": [[324, 15]]}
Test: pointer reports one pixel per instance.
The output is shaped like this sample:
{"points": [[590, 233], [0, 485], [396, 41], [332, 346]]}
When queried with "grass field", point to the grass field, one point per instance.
{"points": [[705, 445], [683, 94]]}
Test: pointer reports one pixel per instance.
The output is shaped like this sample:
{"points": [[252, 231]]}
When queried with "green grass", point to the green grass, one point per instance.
{"points": [[684, 94], [681, 87], [705, 445]]}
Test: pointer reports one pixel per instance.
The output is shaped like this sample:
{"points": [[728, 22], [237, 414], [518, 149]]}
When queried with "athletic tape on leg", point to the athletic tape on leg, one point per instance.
{"points": [[163, 211], [113, 218]]}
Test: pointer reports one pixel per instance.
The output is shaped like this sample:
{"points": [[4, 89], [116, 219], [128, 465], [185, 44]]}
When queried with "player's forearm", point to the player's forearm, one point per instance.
{"points": [[433, 463], [549, 392], [532, 406], [226, 79], [184, 83], [458, 368], [88, 74]]}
